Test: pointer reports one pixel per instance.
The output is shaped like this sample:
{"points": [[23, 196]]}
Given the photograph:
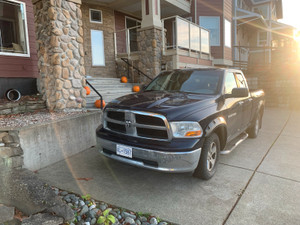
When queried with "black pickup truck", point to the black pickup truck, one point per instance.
{"points": [[182, 121]]}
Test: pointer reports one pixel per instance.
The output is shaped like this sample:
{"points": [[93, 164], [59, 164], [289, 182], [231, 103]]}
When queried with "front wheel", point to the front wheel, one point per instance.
{"points": [[209, 158]]}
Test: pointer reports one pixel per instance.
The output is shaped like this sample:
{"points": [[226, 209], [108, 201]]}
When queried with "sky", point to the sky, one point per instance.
{"points": [[291, 13]]}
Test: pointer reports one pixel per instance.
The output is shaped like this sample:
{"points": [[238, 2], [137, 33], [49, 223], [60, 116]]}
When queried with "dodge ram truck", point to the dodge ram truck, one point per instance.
{"points": [[182, 121]]}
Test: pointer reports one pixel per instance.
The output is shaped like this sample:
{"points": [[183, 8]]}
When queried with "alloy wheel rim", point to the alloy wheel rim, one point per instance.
{"points": [[211, 156]]}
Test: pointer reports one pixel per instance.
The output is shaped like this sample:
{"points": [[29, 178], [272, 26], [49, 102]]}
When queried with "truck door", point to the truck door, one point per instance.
{"points": [[246, 102], [233, 114]]}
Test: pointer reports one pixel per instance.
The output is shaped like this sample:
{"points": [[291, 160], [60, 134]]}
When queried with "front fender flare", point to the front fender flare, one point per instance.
{"points": [[219, 121]]}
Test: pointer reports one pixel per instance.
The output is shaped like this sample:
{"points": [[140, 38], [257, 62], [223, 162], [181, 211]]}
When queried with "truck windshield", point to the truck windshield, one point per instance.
{"points": [[189, 81]]}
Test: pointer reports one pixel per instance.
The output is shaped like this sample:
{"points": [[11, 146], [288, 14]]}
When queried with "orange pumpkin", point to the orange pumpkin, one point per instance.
{"points": [[124, 79], [98, 103], [88, 90], [136, 88]]}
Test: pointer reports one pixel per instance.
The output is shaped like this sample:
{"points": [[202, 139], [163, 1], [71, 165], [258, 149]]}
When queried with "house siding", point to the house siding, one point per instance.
{"points": [[108, 28], [22, 67]]}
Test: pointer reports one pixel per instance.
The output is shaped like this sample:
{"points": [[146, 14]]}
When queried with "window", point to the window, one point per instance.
{"points": [[230, 83], [13, 29], [212, 23], [95, 16], [262, 38], [241, 81], [97, 41], [227, 34]]}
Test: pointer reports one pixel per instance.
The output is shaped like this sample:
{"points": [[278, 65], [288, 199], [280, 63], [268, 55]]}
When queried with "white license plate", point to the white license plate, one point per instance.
{"points": [[124, 151]]}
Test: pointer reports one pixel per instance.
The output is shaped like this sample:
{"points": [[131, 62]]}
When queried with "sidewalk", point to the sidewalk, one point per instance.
{"points": [[258, 183]]}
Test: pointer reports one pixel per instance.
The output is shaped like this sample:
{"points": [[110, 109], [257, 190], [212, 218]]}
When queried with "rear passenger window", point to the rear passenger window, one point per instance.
{"points": [[230, 83], [241, 81]]}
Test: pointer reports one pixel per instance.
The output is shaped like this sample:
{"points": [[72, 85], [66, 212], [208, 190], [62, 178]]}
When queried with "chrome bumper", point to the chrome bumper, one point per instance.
{"points": [[166, 161]]}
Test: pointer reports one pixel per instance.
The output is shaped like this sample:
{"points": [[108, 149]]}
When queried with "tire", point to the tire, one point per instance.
{"points": [[253, 130], [209, 158]]}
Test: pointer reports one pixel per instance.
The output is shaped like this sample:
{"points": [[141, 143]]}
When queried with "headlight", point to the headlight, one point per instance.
{"points": [[186, 129]]}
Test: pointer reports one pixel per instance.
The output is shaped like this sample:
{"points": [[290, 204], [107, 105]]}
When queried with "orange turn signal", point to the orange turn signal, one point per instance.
{"points": [[193, 133]]}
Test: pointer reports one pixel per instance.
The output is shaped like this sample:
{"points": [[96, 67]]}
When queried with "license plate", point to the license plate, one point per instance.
{"points": [[124, 151]]}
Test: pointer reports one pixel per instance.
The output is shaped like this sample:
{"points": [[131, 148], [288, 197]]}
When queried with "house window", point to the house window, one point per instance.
{"points": [[97, 41], [212, 23], [227, 34], [262, 38], [95, 16], [13, 28]]}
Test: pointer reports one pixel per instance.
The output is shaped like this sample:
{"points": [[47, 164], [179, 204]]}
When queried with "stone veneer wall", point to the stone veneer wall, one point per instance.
{"points": [[150, 48], [60, 52], [108, 28], [11, 154]]}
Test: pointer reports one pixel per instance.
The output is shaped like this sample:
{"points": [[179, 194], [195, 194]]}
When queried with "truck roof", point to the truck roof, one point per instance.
{"points": [[210, 69]]}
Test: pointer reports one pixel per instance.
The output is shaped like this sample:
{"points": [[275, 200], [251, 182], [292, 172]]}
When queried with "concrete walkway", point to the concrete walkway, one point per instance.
{"points": [[258, 183]]}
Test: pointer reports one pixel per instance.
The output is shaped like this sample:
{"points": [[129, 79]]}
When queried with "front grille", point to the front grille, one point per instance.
{"points": [[136, 123]]}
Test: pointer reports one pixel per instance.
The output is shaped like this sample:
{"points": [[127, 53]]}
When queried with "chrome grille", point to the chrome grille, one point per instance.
{"points": [[137, 124]]}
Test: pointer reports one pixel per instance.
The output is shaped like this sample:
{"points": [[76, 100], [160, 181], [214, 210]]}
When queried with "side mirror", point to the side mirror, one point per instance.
{"points": [[238, 93]]}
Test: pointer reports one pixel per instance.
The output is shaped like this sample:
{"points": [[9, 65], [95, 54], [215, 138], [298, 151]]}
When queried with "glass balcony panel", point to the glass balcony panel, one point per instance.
{"points": [[204, 41], [183, 34], [195, 37]]}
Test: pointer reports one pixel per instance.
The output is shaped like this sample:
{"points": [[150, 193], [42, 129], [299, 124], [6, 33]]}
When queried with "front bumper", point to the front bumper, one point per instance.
{"points": [[152, 159]]}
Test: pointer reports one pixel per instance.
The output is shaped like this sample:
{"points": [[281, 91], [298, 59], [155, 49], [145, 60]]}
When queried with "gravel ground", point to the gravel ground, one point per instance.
{"points": [[38, 117], [89, 212]]}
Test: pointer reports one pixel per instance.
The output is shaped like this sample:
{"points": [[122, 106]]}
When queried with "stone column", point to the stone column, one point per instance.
{"points": [[150, 49], [150, 39], [59, 36]]}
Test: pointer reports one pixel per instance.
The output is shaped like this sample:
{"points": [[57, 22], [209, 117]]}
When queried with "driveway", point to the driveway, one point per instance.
{"points": [[258, 183]]}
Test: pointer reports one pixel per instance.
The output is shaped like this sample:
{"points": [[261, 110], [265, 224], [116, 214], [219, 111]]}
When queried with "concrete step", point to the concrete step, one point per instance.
{"points": [[109, 88]]}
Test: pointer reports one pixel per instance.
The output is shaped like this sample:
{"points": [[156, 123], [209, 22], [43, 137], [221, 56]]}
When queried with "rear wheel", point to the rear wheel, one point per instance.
{"points": [[254, 128], [209, 158]]}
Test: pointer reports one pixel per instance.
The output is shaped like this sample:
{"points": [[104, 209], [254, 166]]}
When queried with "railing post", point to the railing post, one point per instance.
{"points": [[116, 47], [128, 42], [163, 36]]}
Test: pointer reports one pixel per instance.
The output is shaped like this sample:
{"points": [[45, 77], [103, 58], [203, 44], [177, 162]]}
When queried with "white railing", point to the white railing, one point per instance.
{"points": [[184, 34]]}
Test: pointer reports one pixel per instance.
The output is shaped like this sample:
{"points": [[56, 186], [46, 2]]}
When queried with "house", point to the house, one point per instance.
{"points": [[18, 54], [111, 38]]}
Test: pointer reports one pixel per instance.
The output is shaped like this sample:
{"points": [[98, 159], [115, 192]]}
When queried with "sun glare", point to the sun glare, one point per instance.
{"points": [[297, 38]]}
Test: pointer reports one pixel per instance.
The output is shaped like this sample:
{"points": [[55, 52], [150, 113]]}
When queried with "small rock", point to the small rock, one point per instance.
{"points": [[126, 214], [84, 210], [119, 217], [153, 221], [63, 193], [163, 223], [78, 218], [92, 207], [2, 144], [143, 219], [6, 213], [138, 222], [93, 221], [81, 203], [102, 207], [129, 220], [115, 214]]}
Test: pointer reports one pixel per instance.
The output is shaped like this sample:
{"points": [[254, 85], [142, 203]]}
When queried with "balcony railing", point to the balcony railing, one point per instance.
{"points": [[186, 35], [126, 41]]}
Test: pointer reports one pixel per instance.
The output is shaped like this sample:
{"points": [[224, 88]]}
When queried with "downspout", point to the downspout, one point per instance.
{"points": [[234, 29], [195, 8]]}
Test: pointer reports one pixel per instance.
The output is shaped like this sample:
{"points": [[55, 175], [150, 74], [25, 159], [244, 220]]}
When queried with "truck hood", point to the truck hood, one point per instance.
{"points": [[173, 105]]}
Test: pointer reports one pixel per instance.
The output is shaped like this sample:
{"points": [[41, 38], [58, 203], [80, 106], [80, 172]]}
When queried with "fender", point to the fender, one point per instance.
{"points": [[219, 121]]}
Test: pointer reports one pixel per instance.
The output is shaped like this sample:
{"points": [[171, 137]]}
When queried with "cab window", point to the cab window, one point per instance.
{"points": [[230, 83], [240, 81]]}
